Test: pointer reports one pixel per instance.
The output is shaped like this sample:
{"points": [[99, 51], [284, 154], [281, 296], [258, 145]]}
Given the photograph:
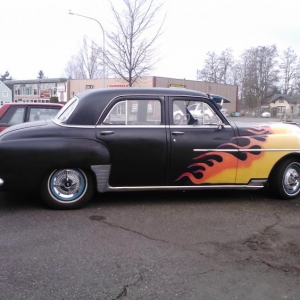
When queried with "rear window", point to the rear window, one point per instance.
{"points": [[67, 110]]}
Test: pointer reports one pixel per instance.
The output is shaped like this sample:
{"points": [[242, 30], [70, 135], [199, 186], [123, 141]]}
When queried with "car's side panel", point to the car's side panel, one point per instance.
{"points": [[202, 155], [200, 151], [262, 146], [25, 162], [138, 154]]}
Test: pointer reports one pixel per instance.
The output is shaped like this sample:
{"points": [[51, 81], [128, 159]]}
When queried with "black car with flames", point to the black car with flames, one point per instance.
{"points": [[135, 139]]}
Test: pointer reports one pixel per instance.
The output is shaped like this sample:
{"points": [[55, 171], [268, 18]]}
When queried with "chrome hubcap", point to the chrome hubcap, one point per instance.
{"points": [[67, 184], [291, 179]]}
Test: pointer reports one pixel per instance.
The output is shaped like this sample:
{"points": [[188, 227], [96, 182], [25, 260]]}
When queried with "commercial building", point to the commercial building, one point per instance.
{"points": [[38, 90], [225, 90], [41, 90]]}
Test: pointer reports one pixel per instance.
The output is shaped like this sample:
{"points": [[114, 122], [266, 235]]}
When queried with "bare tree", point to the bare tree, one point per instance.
{"points": [[226, 63], [85, 65], [41, 75], [5, 76], [211, 70], [130, 51], [218, 68], [73, 70], [289, 68], [260, 75]]}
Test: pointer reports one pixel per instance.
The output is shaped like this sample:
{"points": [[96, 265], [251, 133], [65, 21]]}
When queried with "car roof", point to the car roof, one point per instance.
{"points": [[93, 101], [111, 92]]}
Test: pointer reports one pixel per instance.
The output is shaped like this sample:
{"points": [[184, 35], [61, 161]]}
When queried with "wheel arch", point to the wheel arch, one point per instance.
{"points": [[296, 156]]}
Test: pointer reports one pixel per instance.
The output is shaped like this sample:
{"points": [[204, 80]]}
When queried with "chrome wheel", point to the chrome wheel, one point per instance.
{"points": [[67, 184], [284, 179], [67, 188], [290, 180]]}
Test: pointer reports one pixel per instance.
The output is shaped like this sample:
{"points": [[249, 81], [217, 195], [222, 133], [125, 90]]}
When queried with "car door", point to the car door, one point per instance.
{"points": [[203, 147], [134, 130]]}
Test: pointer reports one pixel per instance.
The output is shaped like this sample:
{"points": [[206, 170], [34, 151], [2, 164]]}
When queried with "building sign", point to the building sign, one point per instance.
{"points": [[117, 85], [61, 88], [45, 94], [176, 85]]}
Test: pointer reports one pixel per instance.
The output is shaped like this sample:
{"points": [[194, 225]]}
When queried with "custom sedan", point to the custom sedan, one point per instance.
{"points": [[16, 113], [111, 140]]}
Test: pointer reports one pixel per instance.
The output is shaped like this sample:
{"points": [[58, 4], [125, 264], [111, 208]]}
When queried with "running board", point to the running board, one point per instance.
{"points": [[253, 185], [102, 173]]}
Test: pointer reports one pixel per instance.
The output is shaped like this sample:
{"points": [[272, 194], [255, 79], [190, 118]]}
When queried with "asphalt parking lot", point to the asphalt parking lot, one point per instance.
{"points": [[158, 245]]}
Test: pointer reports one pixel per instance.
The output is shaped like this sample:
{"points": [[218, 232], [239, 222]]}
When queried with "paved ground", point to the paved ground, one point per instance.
{"points": [[166, 245]]}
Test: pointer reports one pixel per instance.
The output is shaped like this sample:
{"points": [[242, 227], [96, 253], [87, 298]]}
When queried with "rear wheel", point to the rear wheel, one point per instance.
{"points": [[67, 188], [285, 179]]}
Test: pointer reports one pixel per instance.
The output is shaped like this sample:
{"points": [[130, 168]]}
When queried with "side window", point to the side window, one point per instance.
{"points": [[135, 112], [40, 113], [193, 112], [34, 114], [14, 115]]}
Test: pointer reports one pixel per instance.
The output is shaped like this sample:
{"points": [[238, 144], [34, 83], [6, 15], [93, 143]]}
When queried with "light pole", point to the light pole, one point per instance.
{"points": [[103, 41]]}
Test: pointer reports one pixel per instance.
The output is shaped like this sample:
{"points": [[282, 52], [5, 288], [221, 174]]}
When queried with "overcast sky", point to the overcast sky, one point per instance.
{"points": [[41, 35]]}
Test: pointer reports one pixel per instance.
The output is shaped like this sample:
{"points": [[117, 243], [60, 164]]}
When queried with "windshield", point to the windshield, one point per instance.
{"points": [[67, 110]]}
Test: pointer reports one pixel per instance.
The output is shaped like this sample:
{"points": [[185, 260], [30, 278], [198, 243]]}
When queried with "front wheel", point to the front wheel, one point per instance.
{"points": [[285, 179], [67, 188]]}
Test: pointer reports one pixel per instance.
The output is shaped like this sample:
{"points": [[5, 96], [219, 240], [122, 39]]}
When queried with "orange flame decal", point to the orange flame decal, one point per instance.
{"points": [[212, 163]]}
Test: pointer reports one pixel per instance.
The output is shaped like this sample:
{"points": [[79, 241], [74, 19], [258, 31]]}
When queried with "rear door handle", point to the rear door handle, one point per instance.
{"points": [[177, 133], [106, 132]]}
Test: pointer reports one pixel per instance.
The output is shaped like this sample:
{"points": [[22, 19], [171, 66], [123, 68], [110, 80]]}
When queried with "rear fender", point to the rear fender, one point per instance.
{"points": [[25, 162]]}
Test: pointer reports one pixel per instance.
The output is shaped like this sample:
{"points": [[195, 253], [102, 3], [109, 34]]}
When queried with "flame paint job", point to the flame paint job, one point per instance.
{"points": [[251, 155]]}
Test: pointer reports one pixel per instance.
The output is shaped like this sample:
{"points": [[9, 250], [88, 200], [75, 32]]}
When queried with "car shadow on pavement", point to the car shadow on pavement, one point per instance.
{"points": [[32, 201], [169, 197]]}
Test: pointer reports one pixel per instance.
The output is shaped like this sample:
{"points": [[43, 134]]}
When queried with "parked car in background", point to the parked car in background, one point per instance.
{"points": [[235, 114], [266, 114], [197, 109], [128, 139], [16, 113]]}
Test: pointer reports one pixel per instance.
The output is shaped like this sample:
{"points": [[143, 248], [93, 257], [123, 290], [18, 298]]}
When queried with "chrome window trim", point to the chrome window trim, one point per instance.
{"points": [[130, 126], [64, 108], [247, 150], [57, 122], [200, 126], [150, 96], [106, 126]]}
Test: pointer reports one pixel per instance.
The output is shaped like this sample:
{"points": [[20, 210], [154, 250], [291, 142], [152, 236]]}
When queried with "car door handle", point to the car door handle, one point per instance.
{"points": [[106, 132], [177, 133]]}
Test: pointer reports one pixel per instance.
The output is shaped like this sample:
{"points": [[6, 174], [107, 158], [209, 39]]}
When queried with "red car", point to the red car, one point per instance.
{"points": [[16, 113]]}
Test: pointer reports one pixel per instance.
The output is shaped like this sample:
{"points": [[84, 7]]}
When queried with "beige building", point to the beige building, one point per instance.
{"points": [[225, 90], [42, 90]]}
